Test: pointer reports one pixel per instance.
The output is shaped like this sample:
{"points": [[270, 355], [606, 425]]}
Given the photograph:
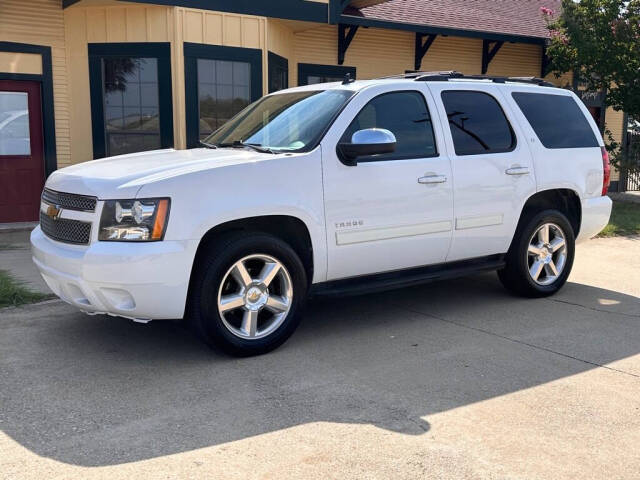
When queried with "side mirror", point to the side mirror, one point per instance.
{"points": [[371, 141]]}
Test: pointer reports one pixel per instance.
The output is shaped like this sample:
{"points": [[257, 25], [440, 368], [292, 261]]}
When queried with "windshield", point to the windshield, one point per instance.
{"points": [[287, 121]]}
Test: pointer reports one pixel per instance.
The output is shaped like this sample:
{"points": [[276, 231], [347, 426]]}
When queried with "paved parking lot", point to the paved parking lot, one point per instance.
{"points": [[449, 380]]}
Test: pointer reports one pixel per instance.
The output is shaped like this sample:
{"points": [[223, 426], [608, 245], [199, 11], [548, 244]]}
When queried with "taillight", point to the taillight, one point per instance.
{"points": [[606, 170]]}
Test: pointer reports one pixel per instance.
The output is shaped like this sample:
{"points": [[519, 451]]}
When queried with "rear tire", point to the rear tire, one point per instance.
{"points": [[541, 255], [248, 293]]}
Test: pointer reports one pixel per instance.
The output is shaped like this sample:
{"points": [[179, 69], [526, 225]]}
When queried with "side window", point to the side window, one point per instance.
{"points": [[478, 124], [406, 115], [556, 119]]}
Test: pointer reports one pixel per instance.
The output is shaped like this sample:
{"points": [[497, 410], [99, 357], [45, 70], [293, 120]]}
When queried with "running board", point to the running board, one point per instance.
{"points": [[405, 278]]}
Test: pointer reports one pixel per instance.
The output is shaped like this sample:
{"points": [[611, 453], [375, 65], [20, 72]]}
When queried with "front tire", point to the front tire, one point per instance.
{"points": [[541, 255], [248, 294]]}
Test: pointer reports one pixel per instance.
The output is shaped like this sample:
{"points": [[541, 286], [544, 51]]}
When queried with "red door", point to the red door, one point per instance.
{"points": [[21, 153]]}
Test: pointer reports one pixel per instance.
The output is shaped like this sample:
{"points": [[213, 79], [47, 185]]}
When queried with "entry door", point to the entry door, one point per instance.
{"points": [[21, 154], [391, 211]]}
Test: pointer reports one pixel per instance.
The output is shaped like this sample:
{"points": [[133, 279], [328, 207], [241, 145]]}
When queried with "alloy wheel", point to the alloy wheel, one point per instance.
{"points": [[255, 296], [546, 254]]}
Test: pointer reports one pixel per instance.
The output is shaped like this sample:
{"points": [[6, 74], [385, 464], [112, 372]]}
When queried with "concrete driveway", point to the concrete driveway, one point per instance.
{"points": [[448, 380]]}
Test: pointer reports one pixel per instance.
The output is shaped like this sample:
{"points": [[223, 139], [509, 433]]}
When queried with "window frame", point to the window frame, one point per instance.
{"points": [[276, 65], [307, 69], [195, 51], [514, 136], [161, 51], [372, 159]]}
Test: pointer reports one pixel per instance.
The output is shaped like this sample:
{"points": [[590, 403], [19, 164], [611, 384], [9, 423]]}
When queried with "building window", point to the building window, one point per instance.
{"points": [[311, 73], [15, 138], [223, 90], [131, 105], [219, 83], [130, 98], [278, 72]]}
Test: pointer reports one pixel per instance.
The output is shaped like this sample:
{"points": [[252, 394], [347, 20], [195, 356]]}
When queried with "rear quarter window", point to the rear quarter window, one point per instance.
{"points": [[556, 119]]}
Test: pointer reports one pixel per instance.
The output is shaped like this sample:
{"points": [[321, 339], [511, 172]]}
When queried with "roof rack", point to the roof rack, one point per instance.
{"points": [[444, 76], [452, 75]]}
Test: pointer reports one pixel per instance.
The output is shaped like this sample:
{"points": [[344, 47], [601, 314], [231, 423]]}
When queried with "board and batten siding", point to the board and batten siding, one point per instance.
{"points": [[40, 22], [211, 28], [106, 24], [613, 120], [138, 23], [377, 52]]}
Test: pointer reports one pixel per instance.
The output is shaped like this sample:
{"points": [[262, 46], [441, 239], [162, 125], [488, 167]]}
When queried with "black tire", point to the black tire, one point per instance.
{"points": [[515, 275], [214, 265]]}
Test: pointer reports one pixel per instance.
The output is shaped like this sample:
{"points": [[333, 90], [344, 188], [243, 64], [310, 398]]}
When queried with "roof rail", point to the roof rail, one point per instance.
{"points": [[452, 75], [416, 74]]}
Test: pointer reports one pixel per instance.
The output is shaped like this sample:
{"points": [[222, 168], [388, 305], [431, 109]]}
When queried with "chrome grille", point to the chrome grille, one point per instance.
{"points": [[69, 201], [66, 230]]}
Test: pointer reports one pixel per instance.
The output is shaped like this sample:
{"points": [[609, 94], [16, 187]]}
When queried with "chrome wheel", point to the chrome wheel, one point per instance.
{"points": [[547, 254], [255, 296]]}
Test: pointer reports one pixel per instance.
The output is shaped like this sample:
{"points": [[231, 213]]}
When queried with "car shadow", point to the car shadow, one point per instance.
{"points": [[104, 391]]}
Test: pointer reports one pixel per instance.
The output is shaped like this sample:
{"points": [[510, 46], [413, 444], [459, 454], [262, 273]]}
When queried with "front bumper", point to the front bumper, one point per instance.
{"points": [[595, 216], [141, 281]]}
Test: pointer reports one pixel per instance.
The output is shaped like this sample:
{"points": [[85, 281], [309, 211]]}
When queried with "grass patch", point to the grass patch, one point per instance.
{"points": [[11, 246], [14, 293], [625, 220]]}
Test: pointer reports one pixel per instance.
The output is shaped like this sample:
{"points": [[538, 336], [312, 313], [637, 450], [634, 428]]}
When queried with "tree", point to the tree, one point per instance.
{"points": [[599, 40]]}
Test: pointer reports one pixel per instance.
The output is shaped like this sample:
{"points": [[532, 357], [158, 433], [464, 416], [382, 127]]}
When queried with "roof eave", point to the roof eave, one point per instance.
{"points": [[454, 32]]}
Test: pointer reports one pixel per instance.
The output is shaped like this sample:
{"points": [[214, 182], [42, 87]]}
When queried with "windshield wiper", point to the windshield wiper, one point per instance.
{"points": [[241, 144], [208, 145]]}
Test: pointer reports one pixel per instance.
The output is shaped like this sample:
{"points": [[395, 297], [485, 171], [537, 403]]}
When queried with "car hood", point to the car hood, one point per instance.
{"points": [[124, 175]]}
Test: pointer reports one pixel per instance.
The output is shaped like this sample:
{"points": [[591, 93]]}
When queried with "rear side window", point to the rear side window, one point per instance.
{"points": [[405, 114], [478, 124], [556, 119]]}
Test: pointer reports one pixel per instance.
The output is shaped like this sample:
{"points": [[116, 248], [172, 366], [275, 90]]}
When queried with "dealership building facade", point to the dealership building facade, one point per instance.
{"points": [[85, 79]]}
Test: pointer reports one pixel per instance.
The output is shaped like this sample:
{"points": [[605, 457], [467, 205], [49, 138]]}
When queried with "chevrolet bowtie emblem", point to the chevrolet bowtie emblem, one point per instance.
{"points": [[54, 211]]}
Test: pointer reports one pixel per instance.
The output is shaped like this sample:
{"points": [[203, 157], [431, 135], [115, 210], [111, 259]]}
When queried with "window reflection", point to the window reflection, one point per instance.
{"points": [[131, 105], [14, 124], [223, 90]]}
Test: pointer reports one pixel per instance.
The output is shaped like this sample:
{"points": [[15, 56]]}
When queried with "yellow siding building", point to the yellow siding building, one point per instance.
{"points": [[114, 76]]}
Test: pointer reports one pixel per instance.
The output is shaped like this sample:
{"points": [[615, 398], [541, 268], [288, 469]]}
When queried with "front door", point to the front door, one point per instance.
{"points": [[21, 153], [390, 211]]}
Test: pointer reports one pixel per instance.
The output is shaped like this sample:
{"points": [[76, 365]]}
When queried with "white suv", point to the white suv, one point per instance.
{"points": [[341, 187]]}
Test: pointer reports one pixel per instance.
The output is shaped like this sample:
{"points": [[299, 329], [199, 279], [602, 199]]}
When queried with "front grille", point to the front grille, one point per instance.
{"points": [[69, 201], [65, 230]]}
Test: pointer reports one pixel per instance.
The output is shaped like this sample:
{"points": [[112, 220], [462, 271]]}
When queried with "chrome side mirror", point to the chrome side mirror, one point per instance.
{"points": [[370, 141]]}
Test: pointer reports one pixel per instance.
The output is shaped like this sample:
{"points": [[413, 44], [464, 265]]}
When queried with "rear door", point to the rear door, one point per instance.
{"points": [[491, 163], [21, 153]]}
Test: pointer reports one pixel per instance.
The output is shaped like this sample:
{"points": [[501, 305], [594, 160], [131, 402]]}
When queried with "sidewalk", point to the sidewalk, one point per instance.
{"points": [[632, 197], [16, 259]]}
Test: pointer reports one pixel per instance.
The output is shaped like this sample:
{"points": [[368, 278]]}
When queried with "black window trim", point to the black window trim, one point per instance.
{"points": [[275, 63], [514, 137], [161, 51], [372, 159], [195, 51], [305, 70]]}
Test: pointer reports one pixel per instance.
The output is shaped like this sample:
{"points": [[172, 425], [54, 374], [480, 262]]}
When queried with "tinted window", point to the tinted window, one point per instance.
{"points": [[406, 115], [557, 120], [477, 123]]}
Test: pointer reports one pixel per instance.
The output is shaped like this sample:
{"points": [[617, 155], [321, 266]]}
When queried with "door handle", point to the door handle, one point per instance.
{"points": [[517, 171], [430, 179]]}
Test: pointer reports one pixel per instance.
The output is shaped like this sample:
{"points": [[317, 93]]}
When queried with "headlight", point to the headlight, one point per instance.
{"points": [[139, 220]]}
